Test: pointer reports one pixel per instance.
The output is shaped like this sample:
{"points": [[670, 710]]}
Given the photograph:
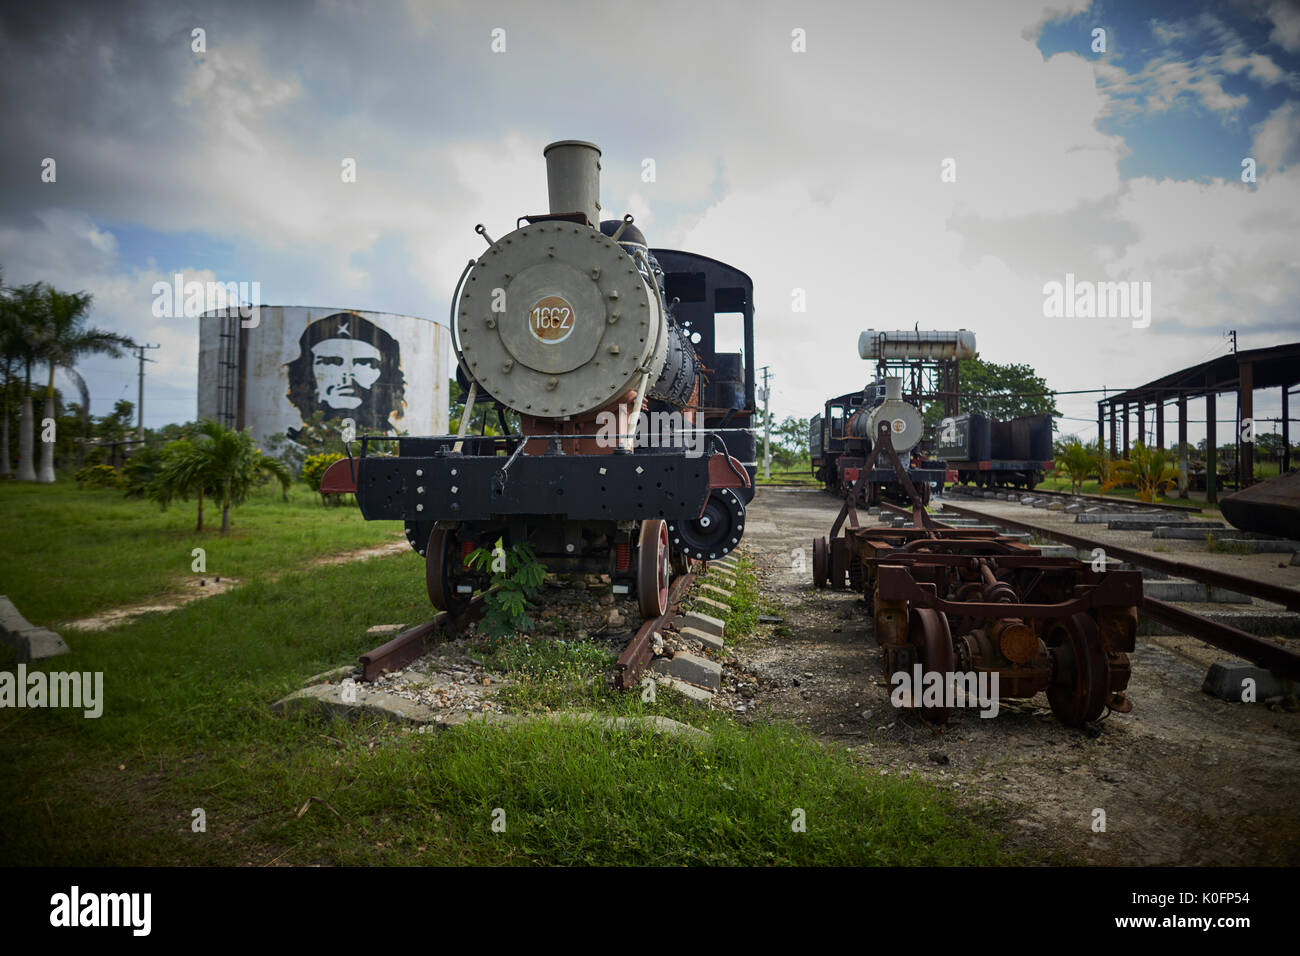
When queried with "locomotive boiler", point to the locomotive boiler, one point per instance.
{"points": [[635, 448]]}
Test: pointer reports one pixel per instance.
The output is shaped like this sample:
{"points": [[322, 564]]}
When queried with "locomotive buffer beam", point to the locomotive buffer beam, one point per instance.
{"points": [[667, 484]]}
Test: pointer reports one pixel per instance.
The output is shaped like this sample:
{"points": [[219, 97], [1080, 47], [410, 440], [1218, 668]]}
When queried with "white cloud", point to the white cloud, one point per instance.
{"points": [[1277, 139]]}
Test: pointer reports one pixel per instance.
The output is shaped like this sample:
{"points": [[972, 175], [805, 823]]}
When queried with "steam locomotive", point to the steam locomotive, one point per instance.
{"points": [[840, 439], [635, 452]]}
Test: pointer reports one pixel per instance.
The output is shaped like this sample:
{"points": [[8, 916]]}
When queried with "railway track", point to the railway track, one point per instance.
{"points": [[640, 650], [1279, 659], [412, 643], [1114, 504]]}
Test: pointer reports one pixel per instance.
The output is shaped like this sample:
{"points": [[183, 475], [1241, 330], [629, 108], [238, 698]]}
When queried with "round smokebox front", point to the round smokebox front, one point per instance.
{"points": [[555, 320]]}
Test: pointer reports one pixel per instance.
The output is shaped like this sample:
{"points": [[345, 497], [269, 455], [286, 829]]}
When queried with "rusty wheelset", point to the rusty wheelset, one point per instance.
{"points": [[968, 607]]}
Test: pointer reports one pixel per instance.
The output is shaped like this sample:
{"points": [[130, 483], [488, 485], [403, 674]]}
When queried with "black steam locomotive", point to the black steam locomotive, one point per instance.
{"points": [[635, 452], [840, 440]]}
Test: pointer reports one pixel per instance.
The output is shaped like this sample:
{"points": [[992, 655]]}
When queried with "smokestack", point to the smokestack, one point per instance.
{"points": [[573, 178]]}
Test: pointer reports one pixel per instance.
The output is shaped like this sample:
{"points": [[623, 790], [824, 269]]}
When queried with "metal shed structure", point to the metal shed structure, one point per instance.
{"points": [[1242, 372]]}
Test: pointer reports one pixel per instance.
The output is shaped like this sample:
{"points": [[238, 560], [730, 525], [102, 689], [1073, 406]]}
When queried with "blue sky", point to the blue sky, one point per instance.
{"points": [[1189, 140]]}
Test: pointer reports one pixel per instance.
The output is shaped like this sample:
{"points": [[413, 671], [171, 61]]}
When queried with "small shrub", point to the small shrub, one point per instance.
{"points": [[520, 576], [97, 476], [313, 470]]}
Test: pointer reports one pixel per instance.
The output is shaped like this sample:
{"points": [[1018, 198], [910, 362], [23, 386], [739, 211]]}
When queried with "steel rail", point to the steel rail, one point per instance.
{"points": [[1274, 593], [409, 645], [632, 662], [1097, 499]]}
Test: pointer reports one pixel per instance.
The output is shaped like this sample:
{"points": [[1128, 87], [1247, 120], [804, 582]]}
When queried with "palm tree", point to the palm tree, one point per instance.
{"points": [[62, 340], [9, 350], [24, 309], [1076, 462], [1150, 470], [218, 461]]}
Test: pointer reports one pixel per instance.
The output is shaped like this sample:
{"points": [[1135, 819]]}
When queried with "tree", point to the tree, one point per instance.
{"points": [[10, 349], [62, 338], [1150, 470], [790, 441], [483, 420], [1103, 465], [1075, 461], [999, 391], [25, 306], [217, 462]]}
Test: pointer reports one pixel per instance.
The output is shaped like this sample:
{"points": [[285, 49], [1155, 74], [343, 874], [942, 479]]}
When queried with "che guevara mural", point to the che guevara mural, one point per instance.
{"points": [[385, 372], [348, 367]]}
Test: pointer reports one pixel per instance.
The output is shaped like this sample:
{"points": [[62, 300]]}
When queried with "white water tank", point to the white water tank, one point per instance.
{"points": [[388, 373], [939, 346]]}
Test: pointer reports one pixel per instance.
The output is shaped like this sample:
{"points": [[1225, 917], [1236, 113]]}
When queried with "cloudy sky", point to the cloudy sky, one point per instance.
{"points": [[804, 143]]}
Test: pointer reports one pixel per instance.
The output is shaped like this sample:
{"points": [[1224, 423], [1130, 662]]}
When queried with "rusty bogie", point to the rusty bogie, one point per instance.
{"points": [[976, 602], [1038, 623]]}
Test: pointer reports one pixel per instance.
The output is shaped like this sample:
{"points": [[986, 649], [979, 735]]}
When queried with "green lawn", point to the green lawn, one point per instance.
{"points": [[186, 725], [798, 475], [66, 553]]}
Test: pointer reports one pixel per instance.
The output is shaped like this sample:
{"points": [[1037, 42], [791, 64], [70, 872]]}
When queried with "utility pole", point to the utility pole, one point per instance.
{"points": [[767, 425], [139, 405]]}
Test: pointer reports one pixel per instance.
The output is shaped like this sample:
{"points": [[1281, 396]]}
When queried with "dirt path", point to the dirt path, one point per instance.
{"points": [[1183, 779], [202, 586]]}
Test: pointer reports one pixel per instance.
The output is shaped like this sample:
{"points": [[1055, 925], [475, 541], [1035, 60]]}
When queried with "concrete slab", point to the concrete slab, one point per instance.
{"points": [[1181, 589], [1144, 523], [715, 592], [711, 606], [1261, 545], [1226, 680], [1057, 550], [712, 641], [1193, 533], [30, 643], [696, 695], [702, 622], [1262, 622], [691, 668], [351, 700]]}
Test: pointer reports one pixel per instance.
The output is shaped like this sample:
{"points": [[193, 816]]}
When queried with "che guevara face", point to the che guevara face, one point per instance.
{"points": [[345, 369]]}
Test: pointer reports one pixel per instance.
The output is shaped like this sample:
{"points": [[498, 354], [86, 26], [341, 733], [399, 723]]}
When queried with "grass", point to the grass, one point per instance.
{"points": [[800, 474], [70, 552], [1226, 546], [186, 725], [746, 603]]}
